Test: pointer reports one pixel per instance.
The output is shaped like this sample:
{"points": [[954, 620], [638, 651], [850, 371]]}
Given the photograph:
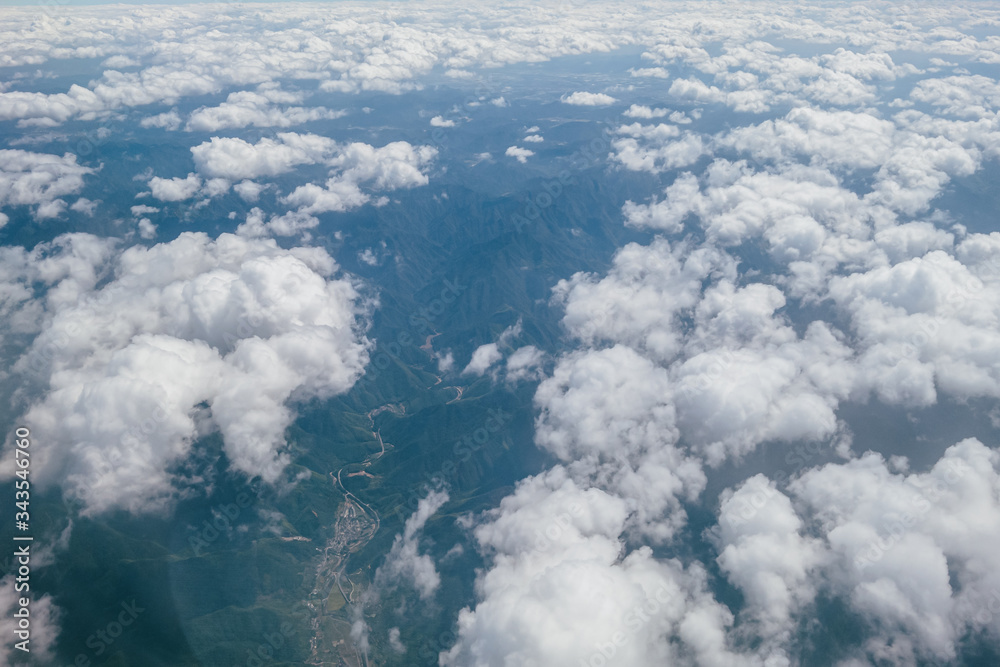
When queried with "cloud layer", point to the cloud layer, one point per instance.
{"points": [[800, 266], [863, 293]]}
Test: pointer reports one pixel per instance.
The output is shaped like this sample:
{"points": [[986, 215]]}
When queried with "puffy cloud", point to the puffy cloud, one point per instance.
{"points": [[924, 324], [50, 209], [189, 337], [248, 190], [49, 109], [394, 641], [249, 108], [656, 148], [915, 157], [585, 99], [236, 159], [971, 96], [39, 179], [84, 206], [561, 592], [737, 342], [609, 415], [143, 209], [842, 138], [695, 90], [641, 111], [907, 553], [699, 369], [68, 267], [763, 551], [651, 72], [686, 364], [258, 108], [525, 364], [807, 220], [617, 421], [393, 166], [919, 169], [147, 229], [446, 361], [440, 121], [405, 563], [912, 239], [485, 356], [518, 153], [660, 132], [751, 99], [639, 300], [912, 553], [533, 139], [337, 195], [743, 376], [288, 224], [587, 407], [840, 89], [243, 57], [864, 66], [730, 401], [175, 189], [666, 215], [682, 118], [168, 120], [482, 359]]}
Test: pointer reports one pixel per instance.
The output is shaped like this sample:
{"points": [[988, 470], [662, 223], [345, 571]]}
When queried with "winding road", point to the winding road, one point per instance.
{"points": [[345, 545]]}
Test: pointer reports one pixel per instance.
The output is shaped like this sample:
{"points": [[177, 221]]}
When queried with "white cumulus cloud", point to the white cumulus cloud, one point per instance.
{"points": [[584, 99], [189, 337]]}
